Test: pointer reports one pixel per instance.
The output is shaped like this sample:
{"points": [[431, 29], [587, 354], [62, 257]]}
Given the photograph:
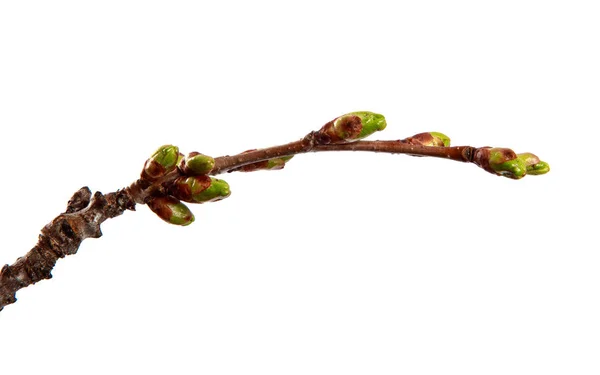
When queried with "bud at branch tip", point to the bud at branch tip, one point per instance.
{"points": [[505, 162]]}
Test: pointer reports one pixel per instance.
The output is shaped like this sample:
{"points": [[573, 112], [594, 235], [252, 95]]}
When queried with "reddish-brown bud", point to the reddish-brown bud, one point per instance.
{"points": [[343, 129], [185, 188], [500, 161], [351, 127], [171, 210], [430, 139]]}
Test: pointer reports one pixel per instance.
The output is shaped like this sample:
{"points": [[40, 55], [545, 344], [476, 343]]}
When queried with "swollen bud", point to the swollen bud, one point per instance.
{"points": [[506, 163], [161, 162], [195, 164], [351, 127], [371, 122], [347, 127], [217, 190], [533, 164], [185, 188], [501, 161], [441, 138], [430, 139], [171, 210]]}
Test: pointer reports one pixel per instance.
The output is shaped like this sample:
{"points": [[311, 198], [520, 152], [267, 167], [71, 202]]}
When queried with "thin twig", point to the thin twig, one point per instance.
{"points": [[229, 163]]}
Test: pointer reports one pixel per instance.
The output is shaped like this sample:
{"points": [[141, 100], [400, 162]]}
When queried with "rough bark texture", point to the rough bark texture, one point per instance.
{"points": [[62, 237]]}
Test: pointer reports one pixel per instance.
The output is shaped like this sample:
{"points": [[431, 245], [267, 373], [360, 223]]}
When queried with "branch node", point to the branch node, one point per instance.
{"points": [[310, 140], [79, 200]]}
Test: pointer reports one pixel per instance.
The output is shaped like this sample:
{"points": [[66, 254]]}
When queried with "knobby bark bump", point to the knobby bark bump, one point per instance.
{"points": [[169, 178]]}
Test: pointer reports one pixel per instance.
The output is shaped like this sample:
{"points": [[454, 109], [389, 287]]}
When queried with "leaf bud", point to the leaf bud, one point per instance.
{"points": [[185, 188], [500, 161], [351, 127], [161, 162], [171, 210], [534, 165], [195, 164], [371, 122], [430, 139], [277, 163], [218, 189]]}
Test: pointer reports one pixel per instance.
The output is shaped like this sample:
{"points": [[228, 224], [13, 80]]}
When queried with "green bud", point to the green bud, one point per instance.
{"points": [[185, 188], [429, 139], [195, 164], [351, 127], [371, 123], [166, 156], [505, 162], [218, 189], [540, 168], [443, 138], [277, 163], [270, 164], [533, 164], [171, 210], [514, 169], [161, 162]]}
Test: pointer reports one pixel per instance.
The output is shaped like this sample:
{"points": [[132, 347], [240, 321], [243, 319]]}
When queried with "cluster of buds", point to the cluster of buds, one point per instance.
{"points": [[193, 185], [351, 127], [505, 162]]}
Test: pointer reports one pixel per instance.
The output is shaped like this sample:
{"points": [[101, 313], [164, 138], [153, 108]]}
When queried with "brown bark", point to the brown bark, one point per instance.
{"points": [[62, 237], [314, 143]]}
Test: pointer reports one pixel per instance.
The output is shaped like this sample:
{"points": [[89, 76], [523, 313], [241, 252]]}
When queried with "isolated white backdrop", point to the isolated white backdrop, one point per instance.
{"points": [[341, 263]]}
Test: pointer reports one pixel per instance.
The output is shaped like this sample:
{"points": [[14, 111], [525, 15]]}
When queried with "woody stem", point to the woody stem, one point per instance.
{"points": [[309, 144]]}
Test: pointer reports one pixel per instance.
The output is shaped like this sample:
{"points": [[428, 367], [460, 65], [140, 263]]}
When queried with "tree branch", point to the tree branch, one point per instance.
{"points": [[62, 237], [169, 177], [231, 163]]}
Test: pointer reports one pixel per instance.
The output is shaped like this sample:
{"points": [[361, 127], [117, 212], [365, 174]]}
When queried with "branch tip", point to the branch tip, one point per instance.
{"points": [[505, 162]]}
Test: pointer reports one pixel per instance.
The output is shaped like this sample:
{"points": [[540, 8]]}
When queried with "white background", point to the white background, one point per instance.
{"points": [[341, 263]]}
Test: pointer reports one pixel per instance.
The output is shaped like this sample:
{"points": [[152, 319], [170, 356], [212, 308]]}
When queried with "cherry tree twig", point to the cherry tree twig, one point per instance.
{"points": [[232, 163], [169, 177]]}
